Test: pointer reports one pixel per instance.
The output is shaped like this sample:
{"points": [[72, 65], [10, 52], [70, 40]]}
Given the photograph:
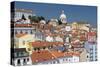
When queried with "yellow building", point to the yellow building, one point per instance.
{"points": [[80, 26], [21, 40], [74, 25]]}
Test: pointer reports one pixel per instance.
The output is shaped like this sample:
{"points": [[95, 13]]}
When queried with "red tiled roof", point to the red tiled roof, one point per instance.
{"points": [[82, 38], [23, 25], [53, 35], [41, 44], [20, 35], [49, 55], [72, 54], [41, 56], [91, 33], [57, 54]]}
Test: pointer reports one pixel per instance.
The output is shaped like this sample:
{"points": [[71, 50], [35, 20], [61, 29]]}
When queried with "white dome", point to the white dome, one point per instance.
{"points": [[62, 16], [43, 21]]}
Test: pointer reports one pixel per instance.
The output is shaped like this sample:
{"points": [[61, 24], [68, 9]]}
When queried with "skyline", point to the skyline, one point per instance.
{"points": [[73, 12]]}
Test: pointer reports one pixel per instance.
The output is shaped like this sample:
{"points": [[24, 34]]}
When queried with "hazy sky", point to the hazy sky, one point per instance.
{"points": [[73, 12]]}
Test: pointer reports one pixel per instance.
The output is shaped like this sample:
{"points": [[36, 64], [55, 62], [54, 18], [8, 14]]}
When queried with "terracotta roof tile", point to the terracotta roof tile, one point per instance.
{"points": [[72, 54], [57, 54], [41, 56], [41, 44], [23, 25], [20, 35], [45, 55], [91, 33]]}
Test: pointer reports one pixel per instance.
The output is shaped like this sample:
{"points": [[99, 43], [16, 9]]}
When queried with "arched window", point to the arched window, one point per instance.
{"points": [[44, 47], [24, 61], [34, 49], [18, 62], [53, 62], [27, 59]]}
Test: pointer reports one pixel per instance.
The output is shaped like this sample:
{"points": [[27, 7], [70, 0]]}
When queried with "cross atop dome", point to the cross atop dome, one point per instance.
{"points": [[62, 11]]}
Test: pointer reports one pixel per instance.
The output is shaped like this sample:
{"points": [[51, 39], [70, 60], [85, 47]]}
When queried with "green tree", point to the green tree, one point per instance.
{"points": [[30, 17], [41, 18], [35, 19]]}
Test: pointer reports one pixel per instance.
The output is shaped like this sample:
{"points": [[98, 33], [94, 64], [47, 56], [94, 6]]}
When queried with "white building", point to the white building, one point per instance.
{"points": [[21, 57], [92, 49], [68, 28], [20, 12], [68, 59], [49, 39], [63, 58], [16, 15], [24, 29]]}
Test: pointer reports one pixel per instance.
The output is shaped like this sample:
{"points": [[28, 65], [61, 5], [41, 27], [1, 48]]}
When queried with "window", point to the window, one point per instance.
{"points": [[23, 42], [31, 32], [44, 47], [53, 62], [21, 53], [18, 62], [95, 52], [91, 53], [91, 49], [69, 60], [27, 59], [87, 56], [57, 61], [95, 59], [66, 59], [34, 49], [24, 61], [95, 56], [63, 59]]}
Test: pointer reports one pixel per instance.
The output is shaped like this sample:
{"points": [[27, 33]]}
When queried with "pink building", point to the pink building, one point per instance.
{"points": [[91, 37]]}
